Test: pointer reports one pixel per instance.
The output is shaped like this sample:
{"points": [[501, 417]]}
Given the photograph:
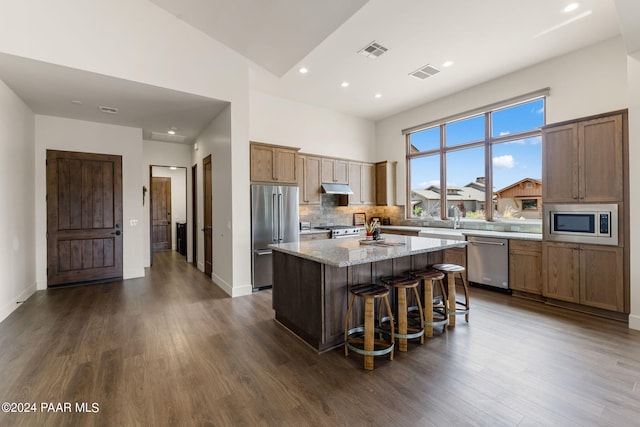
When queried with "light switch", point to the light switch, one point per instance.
{"points": [[133, 222]]}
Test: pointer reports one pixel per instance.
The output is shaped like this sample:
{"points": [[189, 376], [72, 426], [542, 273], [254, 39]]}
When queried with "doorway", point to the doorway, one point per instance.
{"points": [[194, 210], [84, 217], [161, 214], [208, 207], [167, 209]]}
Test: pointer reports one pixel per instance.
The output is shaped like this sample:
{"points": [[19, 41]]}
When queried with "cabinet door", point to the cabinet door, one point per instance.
{"points": [[262, 163], [285, 166], [560, 164], [312, 193], [355, 183], [562, 271], [601, 174], [525, 266], [368, 188], [334, 170], [341, 171], [601, 281]]}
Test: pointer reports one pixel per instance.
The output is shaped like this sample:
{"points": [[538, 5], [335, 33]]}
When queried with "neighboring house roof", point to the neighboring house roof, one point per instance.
{"points": [[473, 191], [518, 189]]}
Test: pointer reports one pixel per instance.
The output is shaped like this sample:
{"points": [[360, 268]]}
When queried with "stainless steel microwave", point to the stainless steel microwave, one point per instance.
{"points": [[595, 223]]}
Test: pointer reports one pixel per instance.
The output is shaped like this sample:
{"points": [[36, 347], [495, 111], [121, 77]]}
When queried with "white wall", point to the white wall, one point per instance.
{"points": [[585, 82], [313, 129], [178, 196], [231, 244], [633, 75], [167, 154], [54, 133], [17, 172]]}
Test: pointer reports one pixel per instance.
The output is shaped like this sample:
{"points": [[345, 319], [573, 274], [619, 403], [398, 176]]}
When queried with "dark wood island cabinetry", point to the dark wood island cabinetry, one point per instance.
{"points": [[311, 279]]}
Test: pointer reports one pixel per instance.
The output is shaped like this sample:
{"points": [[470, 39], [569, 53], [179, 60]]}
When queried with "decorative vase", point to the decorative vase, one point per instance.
{"points": [[369, 236]]}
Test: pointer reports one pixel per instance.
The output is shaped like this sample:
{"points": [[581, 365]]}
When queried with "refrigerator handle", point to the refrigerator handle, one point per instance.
{"points": [[274, 219], [280, 217]]}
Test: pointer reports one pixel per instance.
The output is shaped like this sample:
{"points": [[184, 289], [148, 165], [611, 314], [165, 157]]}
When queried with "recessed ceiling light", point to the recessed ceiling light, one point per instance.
{"points": [[303, 70], [173, 168], [172, 131], [344, 84], [447, 64], [378, 95], [571, 7], [76, 102]]}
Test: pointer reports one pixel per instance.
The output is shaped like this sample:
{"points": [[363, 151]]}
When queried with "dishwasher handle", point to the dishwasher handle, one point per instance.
{"points": [[484, 242]]}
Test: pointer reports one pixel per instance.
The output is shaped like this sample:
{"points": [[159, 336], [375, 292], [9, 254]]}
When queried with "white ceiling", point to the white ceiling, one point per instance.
{"points": [[50, 89], [485, 39]]}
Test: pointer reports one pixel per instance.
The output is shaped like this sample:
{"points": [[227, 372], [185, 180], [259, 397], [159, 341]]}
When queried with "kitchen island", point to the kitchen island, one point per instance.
{"points": [[311, 279]]}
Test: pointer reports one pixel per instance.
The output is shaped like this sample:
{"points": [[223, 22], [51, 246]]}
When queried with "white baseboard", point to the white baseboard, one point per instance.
{"points": [[13, 304], [634, 322], [232, 291]]}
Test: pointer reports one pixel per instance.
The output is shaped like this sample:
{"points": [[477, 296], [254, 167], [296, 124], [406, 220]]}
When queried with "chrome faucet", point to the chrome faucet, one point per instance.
{"points": [[457, 214]]}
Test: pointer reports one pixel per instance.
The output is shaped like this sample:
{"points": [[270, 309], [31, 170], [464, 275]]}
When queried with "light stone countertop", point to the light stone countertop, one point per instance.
{"points": [[314, 231], [452, 233], [348, 251]]}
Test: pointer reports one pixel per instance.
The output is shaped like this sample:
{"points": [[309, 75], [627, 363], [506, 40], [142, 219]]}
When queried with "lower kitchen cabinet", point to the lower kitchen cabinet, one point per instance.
{"points": [[457, 256], [590, 275], [525, 266]]}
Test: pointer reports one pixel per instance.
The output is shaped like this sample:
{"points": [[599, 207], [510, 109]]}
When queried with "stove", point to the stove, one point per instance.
{"points": [[338, 231]]}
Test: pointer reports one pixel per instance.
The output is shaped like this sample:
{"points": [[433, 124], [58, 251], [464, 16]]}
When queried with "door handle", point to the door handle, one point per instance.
{"points": [[117, 232]]}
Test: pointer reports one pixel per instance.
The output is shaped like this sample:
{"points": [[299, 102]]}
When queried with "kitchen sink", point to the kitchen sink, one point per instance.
{"points": [[442, 233]]}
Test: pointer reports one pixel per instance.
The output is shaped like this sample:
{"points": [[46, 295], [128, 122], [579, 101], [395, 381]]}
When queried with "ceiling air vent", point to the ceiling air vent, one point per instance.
{"points": [[373, 50], [425, 72], [165, 137], [108, 110]]}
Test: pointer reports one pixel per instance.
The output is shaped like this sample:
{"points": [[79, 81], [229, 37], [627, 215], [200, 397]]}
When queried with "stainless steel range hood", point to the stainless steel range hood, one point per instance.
{"points": [[331, 188]]}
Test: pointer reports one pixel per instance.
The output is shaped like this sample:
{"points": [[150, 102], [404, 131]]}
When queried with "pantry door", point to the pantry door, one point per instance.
{"points": [[84, 217]]}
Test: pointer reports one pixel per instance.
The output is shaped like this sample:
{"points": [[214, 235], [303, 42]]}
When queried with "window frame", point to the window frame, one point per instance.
{"points": [[487, 143]]}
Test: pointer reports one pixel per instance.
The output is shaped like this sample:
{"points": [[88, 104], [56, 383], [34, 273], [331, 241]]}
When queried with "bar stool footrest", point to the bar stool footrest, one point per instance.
{"points": [[386, 347]]}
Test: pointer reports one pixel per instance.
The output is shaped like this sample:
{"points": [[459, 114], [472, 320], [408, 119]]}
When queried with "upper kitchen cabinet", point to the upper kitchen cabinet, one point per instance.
{"points": [[386, 183], [273, 163], [335, 170], [583, 160], [309, 179], [362, 178]]}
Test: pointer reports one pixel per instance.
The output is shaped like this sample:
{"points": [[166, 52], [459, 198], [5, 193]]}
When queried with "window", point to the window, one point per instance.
{"points": [[452, 162]]}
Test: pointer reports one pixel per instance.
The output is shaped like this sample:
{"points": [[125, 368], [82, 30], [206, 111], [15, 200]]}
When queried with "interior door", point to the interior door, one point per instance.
{"points": [[194, 210], [161, 213], [84, 217], [208, 230]]}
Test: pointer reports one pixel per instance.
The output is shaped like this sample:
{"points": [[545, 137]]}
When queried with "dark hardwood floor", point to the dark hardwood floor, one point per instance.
{"points": [[173, 349]]}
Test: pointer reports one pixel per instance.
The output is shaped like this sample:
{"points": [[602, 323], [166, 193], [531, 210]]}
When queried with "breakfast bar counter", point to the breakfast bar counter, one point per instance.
{"points": [[311, 279]]}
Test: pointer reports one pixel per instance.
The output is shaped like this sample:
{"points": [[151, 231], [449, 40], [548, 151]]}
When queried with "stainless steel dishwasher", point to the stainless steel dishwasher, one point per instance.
{"points": [[488, 261]]}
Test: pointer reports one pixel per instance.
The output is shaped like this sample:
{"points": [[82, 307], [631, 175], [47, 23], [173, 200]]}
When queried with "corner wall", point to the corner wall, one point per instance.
{"points": [[633, 75], [17, 246]]}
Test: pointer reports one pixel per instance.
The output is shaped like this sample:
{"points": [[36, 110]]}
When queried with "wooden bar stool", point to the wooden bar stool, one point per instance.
{"points": [[431, 305], [455, 306], [361, 339], [404, 330]]}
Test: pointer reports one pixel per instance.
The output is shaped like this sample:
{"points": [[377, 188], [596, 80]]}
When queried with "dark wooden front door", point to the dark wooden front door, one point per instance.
{"points": [[84, 217], [161, 214], [208, 229]]}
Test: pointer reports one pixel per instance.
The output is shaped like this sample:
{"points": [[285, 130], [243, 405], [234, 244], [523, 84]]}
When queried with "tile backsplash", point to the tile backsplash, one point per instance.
{"points": [[331, 213]]}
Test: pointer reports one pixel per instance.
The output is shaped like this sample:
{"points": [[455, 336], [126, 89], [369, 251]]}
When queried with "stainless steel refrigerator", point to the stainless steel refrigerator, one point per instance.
{"points": [[274, 219]]}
